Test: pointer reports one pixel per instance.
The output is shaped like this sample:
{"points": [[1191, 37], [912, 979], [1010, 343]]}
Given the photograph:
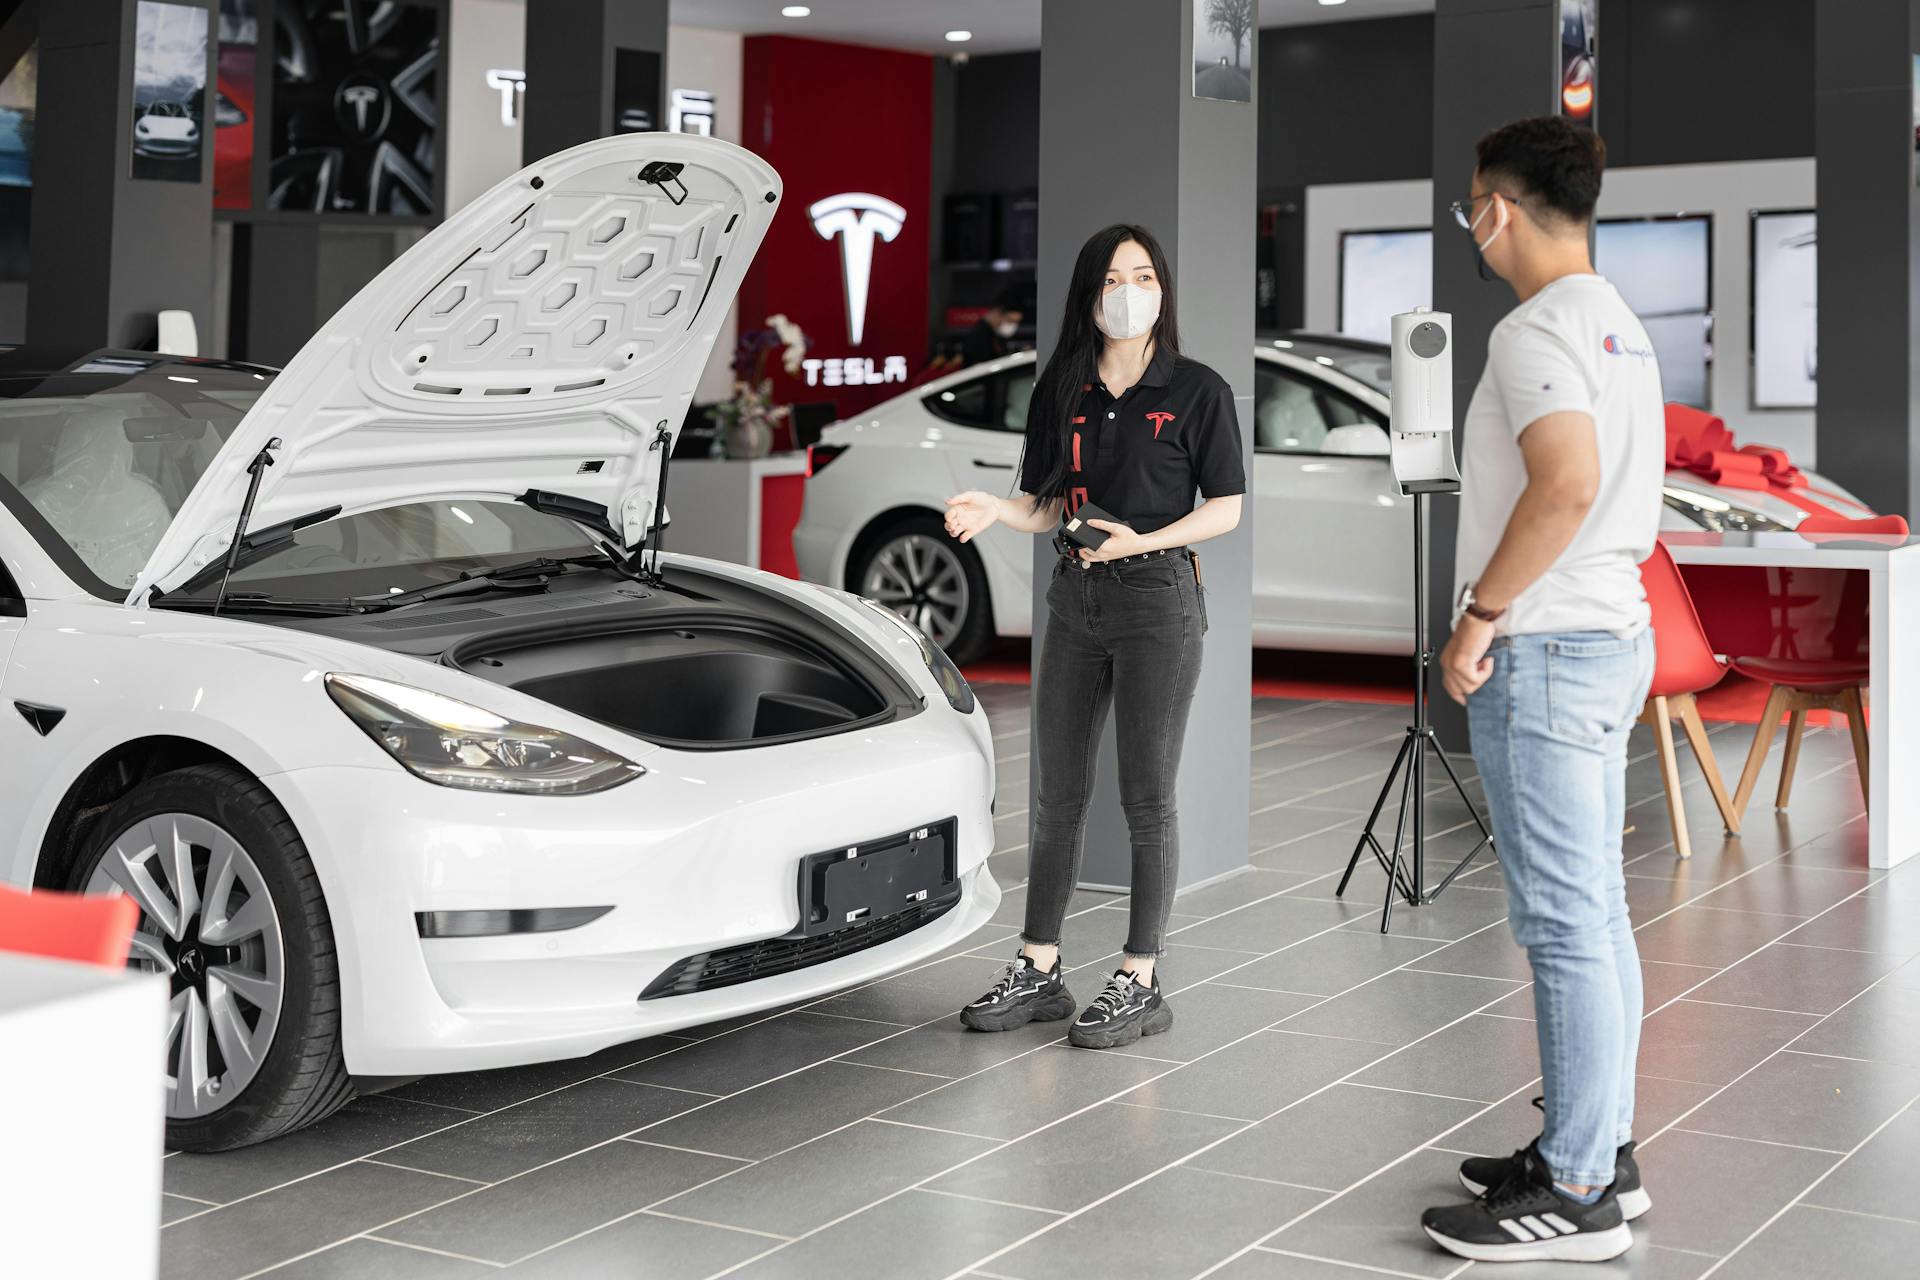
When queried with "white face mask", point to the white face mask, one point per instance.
{"points": [[1006, 329], [1499, 229], [1128, 311]]}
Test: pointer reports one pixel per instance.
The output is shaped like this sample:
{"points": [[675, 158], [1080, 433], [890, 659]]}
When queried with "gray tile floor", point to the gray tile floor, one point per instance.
{"points": [[1313, 1096]]}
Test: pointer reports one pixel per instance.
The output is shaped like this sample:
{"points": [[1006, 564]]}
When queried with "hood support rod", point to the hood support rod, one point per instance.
{"points": [[255, 469], [656, 527]]}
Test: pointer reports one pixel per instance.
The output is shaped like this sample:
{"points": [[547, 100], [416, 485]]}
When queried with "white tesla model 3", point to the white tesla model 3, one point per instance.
{"points": [[442, 765], [1333, 562]]}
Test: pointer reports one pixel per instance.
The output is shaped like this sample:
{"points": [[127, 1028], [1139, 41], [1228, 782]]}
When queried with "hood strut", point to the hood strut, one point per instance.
{"points": [[657, 526], [255, 469]]}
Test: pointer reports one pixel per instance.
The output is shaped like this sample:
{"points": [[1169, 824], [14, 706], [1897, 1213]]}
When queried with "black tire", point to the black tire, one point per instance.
{"points": [[975, 633], [302, 1077]]}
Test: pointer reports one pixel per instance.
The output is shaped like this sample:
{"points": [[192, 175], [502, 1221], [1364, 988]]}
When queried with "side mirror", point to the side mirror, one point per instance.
{"points": [[1358, 440]]}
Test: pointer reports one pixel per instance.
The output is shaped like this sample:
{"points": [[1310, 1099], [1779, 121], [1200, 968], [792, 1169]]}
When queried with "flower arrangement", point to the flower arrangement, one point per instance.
{"points": [[748, 420]]}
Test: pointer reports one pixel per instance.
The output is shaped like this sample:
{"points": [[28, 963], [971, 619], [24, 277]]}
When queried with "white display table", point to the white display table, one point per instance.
{"points": [[1892, 566], [740, 510], [82, 1118]]}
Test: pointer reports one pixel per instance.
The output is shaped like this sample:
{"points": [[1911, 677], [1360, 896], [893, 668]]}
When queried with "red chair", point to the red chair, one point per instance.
{"points": [[1684, 664], [1800, 685], [68, 926]]}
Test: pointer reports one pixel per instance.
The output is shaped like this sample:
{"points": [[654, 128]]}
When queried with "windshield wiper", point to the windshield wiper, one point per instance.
{"points": [[261, 602], [252, 548], [528, 575]]}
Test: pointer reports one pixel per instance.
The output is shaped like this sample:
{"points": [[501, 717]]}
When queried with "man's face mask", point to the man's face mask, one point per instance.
{"points": [[1007, 328], [1127, 311], [1480, 247]]}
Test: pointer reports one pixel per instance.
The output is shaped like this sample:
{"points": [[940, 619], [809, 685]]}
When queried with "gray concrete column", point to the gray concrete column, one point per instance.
{"points": [[1868, 430], [110, 251], [1493, 61], [575, 64], [1123, 139]]}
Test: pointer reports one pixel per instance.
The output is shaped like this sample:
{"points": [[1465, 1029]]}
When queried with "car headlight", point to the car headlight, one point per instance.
{"points": [[457, 744], [945, 674], [1716, 515]]}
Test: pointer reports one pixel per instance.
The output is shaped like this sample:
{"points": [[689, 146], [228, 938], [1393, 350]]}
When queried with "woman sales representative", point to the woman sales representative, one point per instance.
{"points": [[1122, 421]]}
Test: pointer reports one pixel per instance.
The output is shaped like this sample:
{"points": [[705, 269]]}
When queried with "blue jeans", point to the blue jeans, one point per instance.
{"points": [[1550, 739]]}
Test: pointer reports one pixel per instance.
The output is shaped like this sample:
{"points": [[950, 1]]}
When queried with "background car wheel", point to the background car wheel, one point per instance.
{"points": [[939, 585], [231, 912]]}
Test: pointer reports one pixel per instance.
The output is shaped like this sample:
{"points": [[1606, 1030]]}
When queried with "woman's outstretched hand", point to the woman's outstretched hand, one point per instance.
{"points": [[971, 514]]}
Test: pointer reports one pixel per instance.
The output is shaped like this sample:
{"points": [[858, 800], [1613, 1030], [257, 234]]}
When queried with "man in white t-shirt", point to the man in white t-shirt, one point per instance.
{"points": [[1563, 459]]}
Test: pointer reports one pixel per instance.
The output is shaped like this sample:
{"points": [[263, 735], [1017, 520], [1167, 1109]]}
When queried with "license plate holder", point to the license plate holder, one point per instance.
{"points": [[841, 888]]}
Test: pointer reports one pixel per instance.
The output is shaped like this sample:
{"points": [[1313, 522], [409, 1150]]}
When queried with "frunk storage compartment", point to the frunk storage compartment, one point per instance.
{"points": [[687, 684]]}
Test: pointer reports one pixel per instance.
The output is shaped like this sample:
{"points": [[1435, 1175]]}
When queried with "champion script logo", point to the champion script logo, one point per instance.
{"points": [[859, 219], [1159, 418]]}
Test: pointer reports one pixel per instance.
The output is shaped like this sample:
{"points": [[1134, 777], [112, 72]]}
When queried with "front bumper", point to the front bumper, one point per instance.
{"points": [[701, 853]]}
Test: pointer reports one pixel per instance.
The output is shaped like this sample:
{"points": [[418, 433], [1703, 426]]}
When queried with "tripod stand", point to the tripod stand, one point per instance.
{"points": [[1406, 874]]}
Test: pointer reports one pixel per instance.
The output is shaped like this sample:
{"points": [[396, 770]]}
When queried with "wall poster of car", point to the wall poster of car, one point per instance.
{"points": [[233, 97], [1226, 34], [1786, 310], [1579, 58], [356, 123], [169, 90]]}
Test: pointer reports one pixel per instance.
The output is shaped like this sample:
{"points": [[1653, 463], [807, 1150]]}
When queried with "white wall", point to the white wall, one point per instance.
{"points": [[483, 34], [701, 59], [1730, 192]]}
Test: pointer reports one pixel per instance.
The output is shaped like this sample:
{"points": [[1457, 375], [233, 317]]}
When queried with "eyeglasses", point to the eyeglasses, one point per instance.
{"points": [[1463, 209]]}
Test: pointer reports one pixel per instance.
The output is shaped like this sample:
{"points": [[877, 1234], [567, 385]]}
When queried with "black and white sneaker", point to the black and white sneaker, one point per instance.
{"points": [[1121, 1014], [1527, 1219], [1024, 994], [1480, 1174]]}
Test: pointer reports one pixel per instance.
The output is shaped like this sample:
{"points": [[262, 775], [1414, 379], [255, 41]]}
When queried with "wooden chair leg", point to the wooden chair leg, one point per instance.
{"points": [[1856, 711], [1670, 775], [1790, 759], [1696, 729], [1757, 754]]}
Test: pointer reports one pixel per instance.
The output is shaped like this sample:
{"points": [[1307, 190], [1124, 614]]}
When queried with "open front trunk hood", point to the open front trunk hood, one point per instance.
{"points": [[538, 339]]}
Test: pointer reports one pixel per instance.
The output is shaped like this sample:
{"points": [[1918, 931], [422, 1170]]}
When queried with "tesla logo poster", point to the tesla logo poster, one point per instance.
{"points": [[169, 90], [1786, 310], [1579, 58], [1225, 34], [355, 125], [233, 98], [846, 256]]}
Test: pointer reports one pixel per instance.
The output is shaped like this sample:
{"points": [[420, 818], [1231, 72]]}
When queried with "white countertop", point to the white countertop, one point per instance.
{"points": [[1789, 550]]}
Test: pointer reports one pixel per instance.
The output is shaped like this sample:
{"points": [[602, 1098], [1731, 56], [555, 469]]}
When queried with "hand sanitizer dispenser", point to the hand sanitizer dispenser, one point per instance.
{"points": [[1423, 460]]}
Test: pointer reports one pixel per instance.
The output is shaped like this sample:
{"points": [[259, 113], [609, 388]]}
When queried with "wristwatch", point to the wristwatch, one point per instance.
{"points": [[1472, 608]]}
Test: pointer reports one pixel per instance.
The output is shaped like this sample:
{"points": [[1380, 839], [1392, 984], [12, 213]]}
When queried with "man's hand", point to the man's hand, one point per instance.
{"points": [[1464, 664], [1121, 541]]}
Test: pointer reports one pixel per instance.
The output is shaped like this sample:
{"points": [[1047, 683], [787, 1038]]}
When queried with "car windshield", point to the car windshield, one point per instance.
{"points": [[1367, 364], [97, 458], [405, 548]]}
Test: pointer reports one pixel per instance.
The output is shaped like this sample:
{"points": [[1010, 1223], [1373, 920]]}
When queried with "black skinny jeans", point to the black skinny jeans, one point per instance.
{"points": [[1129, 636]]}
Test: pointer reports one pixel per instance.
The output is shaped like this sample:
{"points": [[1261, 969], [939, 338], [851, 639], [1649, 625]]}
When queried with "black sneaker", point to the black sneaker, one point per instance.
{"points": [[1024, 994], [1480, 1174], [1121, 1014], [1528, 1220]]}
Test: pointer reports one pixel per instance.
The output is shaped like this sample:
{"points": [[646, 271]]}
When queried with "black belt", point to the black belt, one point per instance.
{"points": [[1071, 552]]}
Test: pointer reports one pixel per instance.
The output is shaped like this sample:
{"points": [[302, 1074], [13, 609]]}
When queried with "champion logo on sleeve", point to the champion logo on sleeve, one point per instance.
{"points": [[1614, 346]]}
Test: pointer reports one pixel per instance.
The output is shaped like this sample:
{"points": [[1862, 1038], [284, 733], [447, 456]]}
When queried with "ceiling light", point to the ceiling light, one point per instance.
{"points": [[1332, 2], [795, 11], [959, 37]]}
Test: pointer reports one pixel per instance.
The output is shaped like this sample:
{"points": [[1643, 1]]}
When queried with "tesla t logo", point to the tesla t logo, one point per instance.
{"points": [[362, 107], [858, 219], [512, 87], [1159, 419]]}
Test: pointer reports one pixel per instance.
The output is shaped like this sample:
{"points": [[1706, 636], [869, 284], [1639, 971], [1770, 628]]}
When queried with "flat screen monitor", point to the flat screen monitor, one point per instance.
{"points": [[1382, 274], [1785, 309], [1663, 268]]}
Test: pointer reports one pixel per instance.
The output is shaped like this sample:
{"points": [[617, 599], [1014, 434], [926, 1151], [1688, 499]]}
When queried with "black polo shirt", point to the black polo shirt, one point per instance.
{"points": [[1142, 455]]}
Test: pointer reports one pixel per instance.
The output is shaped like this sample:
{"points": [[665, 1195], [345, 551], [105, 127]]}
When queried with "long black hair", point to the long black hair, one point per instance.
{"points": [[1076, 354]]}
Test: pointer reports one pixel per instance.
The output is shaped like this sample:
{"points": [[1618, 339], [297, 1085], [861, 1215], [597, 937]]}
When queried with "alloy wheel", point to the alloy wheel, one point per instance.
{"points": [[921, 579], [207, 922]]}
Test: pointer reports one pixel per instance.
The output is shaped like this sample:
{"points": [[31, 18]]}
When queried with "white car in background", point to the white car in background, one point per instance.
{"points": [[456, 770], [1333, 554]]}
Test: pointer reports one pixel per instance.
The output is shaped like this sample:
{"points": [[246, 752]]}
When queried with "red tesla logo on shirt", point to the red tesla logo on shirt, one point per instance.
{"points": [[1159, 418]]}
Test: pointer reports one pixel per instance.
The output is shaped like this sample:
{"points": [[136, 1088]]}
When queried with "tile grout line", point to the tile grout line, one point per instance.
{"points": [[1783, 1210]]}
